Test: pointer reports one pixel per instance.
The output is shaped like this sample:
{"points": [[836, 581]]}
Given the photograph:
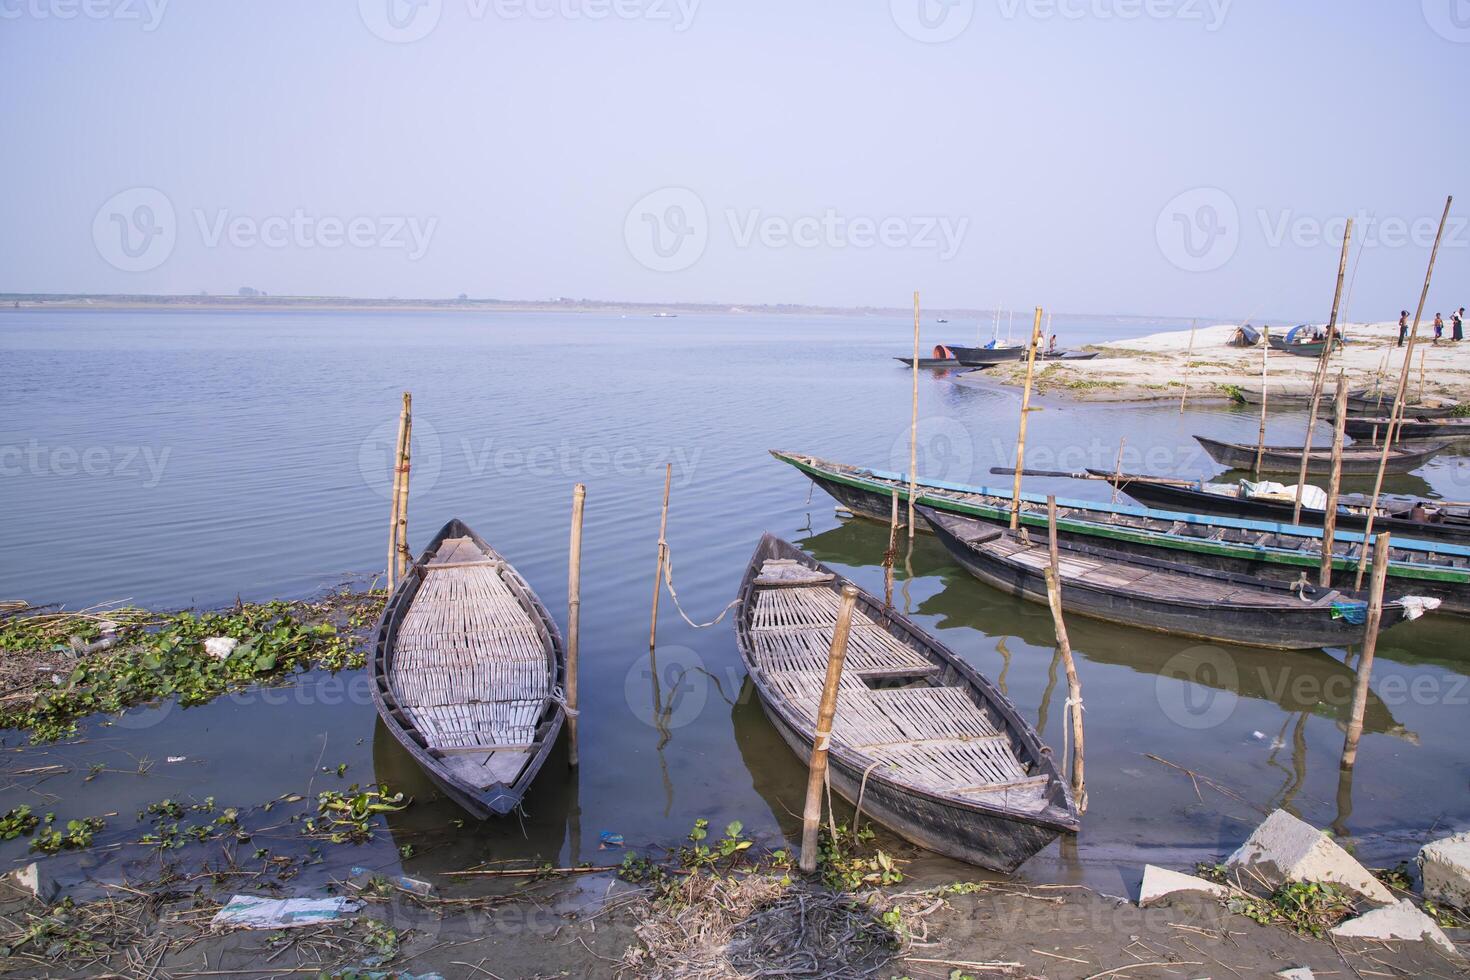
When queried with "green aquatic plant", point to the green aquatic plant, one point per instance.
{"points": [[77, 836], [157, 657], [18, 822]]}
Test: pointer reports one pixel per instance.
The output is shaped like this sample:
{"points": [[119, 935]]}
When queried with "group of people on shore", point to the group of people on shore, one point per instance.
{"points": [[1457, 326]]}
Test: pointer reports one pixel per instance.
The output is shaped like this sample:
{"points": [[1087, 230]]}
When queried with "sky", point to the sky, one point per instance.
{"points": [[1151, 157]]}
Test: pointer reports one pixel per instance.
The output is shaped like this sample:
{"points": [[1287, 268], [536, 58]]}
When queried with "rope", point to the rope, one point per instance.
{"points": [[669, 582], [862, 788], [559, 696]]}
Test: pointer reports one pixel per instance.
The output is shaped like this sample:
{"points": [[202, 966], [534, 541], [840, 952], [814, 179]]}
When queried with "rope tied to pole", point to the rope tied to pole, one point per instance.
{"points": [[823, 740], [559, 697], [669, 584], [862, 788], [1067, 729]]}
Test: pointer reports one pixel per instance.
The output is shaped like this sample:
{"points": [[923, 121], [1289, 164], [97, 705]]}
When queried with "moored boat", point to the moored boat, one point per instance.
{"points": [[1376, 429], [1162, 596], [1271, 550], [467, 670], [1356, 459], [1402, 517], [977, 356], [936, 753]]}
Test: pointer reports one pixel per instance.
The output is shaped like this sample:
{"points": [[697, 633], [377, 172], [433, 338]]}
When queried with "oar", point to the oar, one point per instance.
{"points": [[1085, 475]]}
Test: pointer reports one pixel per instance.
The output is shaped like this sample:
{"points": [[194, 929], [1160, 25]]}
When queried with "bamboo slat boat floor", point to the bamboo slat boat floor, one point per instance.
{"points": [[470, 668], [934, 738]]}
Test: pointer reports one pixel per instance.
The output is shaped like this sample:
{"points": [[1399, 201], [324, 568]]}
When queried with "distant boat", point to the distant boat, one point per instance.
{"points": [[663, 315], [941, 357], [1356, 459], [977, 356], [1410, 428], [941, 320]]}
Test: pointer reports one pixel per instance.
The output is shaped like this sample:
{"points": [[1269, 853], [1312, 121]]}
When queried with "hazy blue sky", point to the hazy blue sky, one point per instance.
{"points": [[1140, 156]]}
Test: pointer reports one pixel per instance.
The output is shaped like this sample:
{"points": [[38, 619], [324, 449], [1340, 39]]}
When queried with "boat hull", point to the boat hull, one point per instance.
{"points": [[1203, 502], [1309, 628], [1355, 461], [1377, 428], [1451, 585], [977, 356], [987, 840], [492, 801]]}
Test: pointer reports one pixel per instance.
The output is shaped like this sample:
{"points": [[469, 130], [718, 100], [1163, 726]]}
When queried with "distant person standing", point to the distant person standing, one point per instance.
{"points": [[1438, 327], [1051, 346], [1403, 326], [1457, 321]]}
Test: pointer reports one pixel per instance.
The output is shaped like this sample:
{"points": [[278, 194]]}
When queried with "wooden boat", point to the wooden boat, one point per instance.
{"points": [[1364, 401], [1163, 596], [1395, 514], [1356, 459], [937, 754], [467, 672], [1288, 343], [1409, 428], [1067, 355], [941, 357], [1270, 550], [977, 356]]}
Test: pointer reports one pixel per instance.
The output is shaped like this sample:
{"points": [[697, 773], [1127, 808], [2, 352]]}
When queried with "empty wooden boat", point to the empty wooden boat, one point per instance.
{"points": [[467, 672], [978, 356], [1267, 549], [937, 753], [1162, 596], [1376, 429], [1356, 459], [1415, 517]]}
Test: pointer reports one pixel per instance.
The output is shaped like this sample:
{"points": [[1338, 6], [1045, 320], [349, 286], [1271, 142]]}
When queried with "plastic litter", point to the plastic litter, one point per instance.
{"points": [[257, 912], [607, 841]]}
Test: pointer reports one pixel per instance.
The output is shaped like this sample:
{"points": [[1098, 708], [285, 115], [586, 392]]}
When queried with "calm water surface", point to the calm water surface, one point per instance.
{"points": [[181, 458]]}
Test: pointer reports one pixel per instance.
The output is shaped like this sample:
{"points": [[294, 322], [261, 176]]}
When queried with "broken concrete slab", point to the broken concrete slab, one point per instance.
{"points": [[1400, 921], [1160, 883], [1298, 973], [1284, 848], [1445, 868]]}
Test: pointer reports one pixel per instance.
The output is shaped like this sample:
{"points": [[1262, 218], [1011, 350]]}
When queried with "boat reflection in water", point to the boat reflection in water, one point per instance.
{"points": [[445, 837]]}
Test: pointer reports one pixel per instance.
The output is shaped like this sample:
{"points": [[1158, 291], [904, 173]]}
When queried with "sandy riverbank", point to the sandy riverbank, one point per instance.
{"points": [[1160, 366]]}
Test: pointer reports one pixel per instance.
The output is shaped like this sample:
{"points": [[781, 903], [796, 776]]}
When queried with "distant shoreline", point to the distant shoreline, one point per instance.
{"points": [[114, 302]]}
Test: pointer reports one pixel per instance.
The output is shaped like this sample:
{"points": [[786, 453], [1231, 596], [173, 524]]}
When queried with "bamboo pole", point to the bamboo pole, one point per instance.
{"points": [[1396, 412], [1319, 379], [914, 422], [1423, 355], [891, 556], [663, 550], [1370, 644], [405, 464], [574, 616], [1118, 470], [1329, 519], [811, 814], [1021, 435], [1074, 685], [1187, 355], [1261, 437], [394, 497]]}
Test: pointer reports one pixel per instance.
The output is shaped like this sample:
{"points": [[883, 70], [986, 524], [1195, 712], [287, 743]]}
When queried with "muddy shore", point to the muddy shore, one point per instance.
{"points": [[1162, 366]]}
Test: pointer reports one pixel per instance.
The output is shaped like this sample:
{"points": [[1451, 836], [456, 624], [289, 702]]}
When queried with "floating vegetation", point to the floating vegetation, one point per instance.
{"points": [[75, 664]]}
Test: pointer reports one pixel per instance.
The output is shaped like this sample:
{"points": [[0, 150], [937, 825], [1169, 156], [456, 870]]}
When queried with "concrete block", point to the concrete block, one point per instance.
{"points": [[1159, 883], [1284, 848], [1445, 867], [1400, 921]]}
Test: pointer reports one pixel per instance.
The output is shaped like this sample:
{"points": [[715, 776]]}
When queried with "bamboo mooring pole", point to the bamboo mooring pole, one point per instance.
{"points": [[1334, 482], [393, 494], [1396, 411], [811, 815], [663, 549], [1074, 685], [1423, 355], [1261, 437], [891, 556], [1118, 470], [405, 465], [1370, 644], [914, 422], [1183, 395], [1025, 411], [1319, 379], [574, 617]]}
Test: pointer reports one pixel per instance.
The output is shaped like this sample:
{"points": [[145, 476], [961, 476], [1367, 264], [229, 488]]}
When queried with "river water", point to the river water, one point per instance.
{"points": [[185, 458]]}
